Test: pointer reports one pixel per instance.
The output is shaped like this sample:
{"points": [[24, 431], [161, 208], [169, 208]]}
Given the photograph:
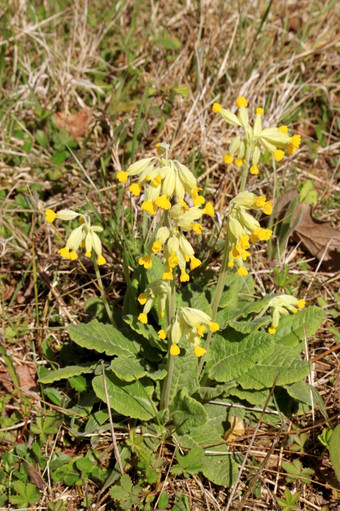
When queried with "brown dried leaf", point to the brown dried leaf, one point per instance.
{"points": [[26, 374], [236, 429], [35, 477], [319, 238], [75, 124]]}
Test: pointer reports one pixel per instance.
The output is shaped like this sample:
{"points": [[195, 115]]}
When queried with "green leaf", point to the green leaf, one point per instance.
{"points": [[300, 391], [59, 157], [130, 399], [230, 295], [334, 451], [308, 193], [132, 369], [103, 338], [78, 383], [226, 359], [280, 361], [84, 465], [183, 90], [67, 372], [220, 469], [27, 494], [41, 138], [189, 464], [246, 327], [163, 500], [293, 327], [186, 412], [184, 372]]}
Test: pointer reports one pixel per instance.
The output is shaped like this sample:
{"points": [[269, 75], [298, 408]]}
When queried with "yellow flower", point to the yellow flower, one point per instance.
{"points": [[241, 101], [209, 209], [271, 330], [278, 155], [239, 162], [167, 275], [101, 260], [65, 252], [301, 303], [174, 350], [254, 170], [197, 228], [184, 277], [163, 202], [157, 247], [228, 159], [149, 207], [135, 189], [199, 351], [143, 318], [50, 215], [242, 271], [87, 254], [213, 326], [142, 298], [194, 263], [145, 261], [122, 176], [268, 207], [162, 334], [259, 111]]}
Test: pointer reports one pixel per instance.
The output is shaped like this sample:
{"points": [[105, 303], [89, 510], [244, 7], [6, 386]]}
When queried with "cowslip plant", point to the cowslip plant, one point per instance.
{"points": [[195, 336]]}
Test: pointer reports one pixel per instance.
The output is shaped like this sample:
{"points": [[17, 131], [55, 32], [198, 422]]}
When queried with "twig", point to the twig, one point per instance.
{"points": [[115, 446]]}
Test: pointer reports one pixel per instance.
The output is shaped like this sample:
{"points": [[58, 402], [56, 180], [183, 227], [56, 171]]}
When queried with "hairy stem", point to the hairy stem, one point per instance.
{"points": [[217, 298], [245, 168], [164, 403], [102, 291]]}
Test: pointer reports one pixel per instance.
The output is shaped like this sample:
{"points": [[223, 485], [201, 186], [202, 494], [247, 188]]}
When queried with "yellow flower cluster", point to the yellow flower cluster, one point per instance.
{"points": [[282, 305], [275, 140], [177, 251], [164, 179], [83, 236], [192, 324], [243, 228], [156, 291]]}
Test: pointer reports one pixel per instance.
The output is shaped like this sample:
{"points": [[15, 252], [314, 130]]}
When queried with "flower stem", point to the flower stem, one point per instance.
{"points": [[245, 169], [217, 298], [102, 291], [165, 396]]}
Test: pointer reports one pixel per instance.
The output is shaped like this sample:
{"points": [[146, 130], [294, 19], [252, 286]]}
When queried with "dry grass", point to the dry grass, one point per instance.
{"points": [[73, 57]]}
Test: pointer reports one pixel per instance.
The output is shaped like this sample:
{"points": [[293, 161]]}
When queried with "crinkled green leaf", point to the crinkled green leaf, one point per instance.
{"points": [[130, 399], [185, 370], [231, 291], [220, 469], [128, 369], [67, 372], [293, 327], [186, 412], [300, 391], [249, 326], [282, 361], [227, 360], [103, 338]]}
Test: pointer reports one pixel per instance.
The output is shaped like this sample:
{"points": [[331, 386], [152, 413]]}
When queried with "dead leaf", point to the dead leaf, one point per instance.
{"points": [[26, 374], [319, 238], [236, 429], [35, 476], [75, 124]]}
